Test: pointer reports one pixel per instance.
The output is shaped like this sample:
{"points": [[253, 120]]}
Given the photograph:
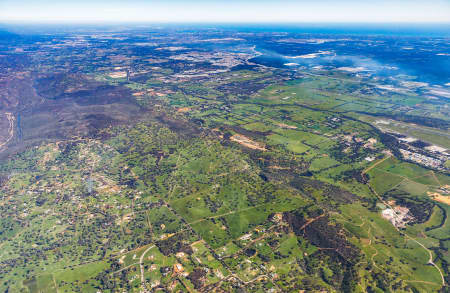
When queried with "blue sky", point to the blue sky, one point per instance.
{"points": [[225, 10]]}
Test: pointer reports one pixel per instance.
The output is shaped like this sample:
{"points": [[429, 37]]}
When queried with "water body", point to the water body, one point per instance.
{"points": [[419, 51]]}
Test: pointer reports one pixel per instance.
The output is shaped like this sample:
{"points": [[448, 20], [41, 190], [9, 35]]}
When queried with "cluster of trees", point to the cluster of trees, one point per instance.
{"points": [[327, 190], [352, 174], [340, 255], [175, 244]]}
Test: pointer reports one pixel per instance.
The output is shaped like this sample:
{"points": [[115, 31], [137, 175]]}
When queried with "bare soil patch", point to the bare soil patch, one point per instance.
{"points": [[119, 74], [247, 142], [183, 110], [439, 197], [282, 125]]}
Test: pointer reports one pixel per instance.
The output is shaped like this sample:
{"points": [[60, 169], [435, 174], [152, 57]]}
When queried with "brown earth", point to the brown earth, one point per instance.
{"points": [[439, 197], [247, 142]]}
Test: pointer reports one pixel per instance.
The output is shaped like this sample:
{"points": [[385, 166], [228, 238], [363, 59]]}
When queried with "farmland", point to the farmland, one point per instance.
{"points": [[164, 162]]}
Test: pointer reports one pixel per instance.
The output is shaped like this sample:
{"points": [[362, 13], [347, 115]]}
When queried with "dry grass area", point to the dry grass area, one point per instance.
{"points": [[183, 110], [118, 74], [247, 142], [125, 219], [278, 168], [50, 155], [439, 197], [365, 241], [122, 259], [106, 185], [282, 125]]}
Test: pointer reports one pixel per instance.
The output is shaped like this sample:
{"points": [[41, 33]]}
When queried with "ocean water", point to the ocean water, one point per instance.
{"points": [[421, 52]]}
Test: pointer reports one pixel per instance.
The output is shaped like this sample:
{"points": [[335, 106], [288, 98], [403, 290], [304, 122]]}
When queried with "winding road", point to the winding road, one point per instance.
{"points": [[141, 264], [11, 120], [430, 261]]}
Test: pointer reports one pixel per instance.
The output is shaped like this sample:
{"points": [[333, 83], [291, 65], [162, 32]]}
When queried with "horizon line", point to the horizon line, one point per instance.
{"points": [[222, 22]]}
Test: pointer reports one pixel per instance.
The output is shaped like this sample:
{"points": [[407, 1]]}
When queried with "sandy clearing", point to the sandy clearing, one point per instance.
{"points": [[247, 142], [439, 197], [282, 125], [183, 110], [119, 74]]}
